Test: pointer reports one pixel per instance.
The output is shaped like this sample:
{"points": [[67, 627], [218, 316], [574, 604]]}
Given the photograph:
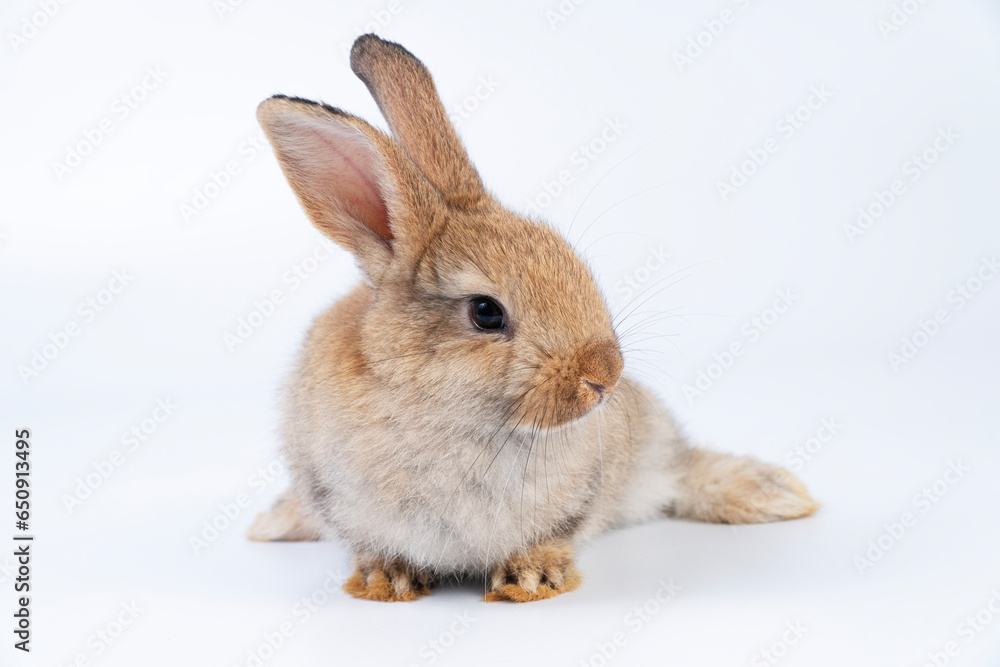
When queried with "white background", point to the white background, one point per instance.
{"points": [[555, 86]]}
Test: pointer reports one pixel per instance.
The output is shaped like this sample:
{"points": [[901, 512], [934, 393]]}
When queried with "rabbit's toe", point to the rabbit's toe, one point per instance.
{"points": [[542, 572], [392, 581]]}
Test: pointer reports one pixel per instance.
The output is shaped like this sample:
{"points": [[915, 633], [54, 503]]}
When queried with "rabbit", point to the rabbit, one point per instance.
{"points": [[463, 411]]}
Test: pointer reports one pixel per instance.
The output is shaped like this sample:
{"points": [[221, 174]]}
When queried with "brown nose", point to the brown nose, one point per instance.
{"points": [[600, 364]]}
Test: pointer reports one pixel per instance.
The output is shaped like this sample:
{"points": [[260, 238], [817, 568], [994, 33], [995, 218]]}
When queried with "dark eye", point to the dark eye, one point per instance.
{"points": [[486, 313]]}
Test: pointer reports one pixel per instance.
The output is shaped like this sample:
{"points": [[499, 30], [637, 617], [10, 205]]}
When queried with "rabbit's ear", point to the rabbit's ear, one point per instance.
{"points": [[405, 93], [354, 182]]}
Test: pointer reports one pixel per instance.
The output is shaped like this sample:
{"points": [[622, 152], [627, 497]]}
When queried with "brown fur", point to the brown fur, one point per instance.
{"points": [[726, 489], [406, 96], [542, 572], [432, 447], [386, 581]]}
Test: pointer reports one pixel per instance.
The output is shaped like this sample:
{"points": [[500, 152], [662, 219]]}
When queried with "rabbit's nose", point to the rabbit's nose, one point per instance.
{"points": [[600, 366], [598, 388]]}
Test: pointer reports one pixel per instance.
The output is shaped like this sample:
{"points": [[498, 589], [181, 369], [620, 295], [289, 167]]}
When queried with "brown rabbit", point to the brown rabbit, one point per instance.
{"points": [[463, 411]]}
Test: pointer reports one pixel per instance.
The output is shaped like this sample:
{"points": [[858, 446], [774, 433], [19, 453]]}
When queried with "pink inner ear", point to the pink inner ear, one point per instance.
{"points": [[339, 169], [352, 166]]}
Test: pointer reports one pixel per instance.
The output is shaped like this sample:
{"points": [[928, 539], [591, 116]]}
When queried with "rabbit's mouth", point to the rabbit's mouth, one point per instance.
{"points": [[568, 388]]}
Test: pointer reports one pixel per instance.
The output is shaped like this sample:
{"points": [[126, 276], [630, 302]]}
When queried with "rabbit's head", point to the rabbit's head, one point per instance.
{"points": [[482, 316]]}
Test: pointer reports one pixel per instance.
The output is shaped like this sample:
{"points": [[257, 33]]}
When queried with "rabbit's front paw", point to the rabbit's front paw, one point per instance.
{"points": [[544, 571], [386, 581]]}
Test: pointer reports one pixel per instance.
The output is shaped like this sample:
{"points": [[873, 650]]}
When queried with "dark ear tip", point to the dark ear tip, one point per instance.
{"points": [[370, 47], [274, 103], [360, 52], [362, 40]]}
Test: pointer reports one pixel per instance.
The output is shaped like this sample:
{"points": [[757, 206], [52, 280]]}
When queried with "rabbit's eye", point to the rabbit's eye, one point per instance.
{"points": [[486, 313]]}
